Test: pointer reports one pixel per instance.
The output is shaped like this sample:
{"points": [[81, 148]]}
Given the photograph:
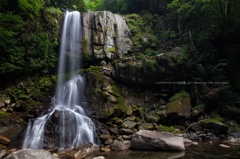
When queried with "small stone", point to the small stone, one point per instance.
{"points": [[9, 110], [99, 157], [147, 126], [131, 118], [129, 124], [187, 142], [151, 119], [108, 142], [129, 111], [126, 137], [105, 149], [118, 146], [193, 136], [195, 143], [4, 140], [106, 138], [118, 121], [2, 105], [55, 155], [112, 99], [2, 147], [126, 131], [7, 101], [4, 109], [224, 146], [2, 153], [210, 142]]}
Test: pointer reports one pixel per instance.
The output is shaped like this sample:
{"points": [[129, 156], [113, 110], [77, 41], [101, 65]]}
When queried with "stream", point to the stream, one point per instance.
{"points": [[201, 151]]}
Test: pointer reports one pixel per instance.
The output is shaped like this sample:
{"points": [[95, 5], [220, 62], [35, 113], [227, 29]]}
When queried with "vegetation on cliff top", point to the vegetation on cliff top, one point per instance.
{"points": [[206, 31]]}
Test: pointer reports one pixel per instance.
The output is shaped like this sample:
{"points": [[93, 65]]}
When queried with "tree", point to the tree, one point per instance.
{"points": [[29, 8], [67, 4]]}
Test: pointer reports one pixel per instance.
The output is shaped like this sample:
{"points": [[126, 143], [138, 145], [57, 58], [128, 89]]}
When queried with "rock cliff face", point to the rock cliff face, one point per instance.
{"points": [[107, 35]]}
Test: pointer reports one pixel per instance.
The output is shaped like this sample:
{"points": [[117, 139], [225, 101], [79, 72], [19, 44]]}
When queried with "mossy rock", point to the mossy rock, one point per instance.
{"points": [[216, 125], [179, 105], [147, 126], [231, 112], [165, 128], [198, 110], [105, 96], [151, 119]]}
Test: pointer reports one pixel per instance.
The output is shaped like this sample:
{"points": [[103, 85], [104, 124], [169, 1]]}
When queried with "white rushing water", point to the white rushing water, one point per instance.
{"points": [[74, 128]]}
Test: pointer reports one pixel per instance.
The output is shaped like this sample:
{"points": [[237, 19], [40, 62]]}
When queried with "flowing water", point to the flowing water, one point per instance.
{"points": [[73, 128]]}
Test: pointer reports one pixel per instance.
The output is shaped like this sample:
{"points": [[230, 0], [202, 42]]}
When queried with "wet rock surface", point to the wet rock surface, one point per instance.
{"points": [[30, 154], [152, 140], [111, 35]]}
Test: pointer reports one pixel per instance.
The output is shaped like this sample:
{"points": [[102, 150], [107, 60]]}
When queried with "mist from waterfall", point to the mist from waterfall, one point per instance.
{"points": [[73, 128]]}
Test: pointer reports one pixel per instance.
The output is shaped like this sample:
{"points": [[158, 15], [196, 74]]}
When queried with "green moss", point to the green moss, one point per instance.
{"points": [[107, 112], [4, 114], [84, 46], [180, 104], [165, 128], [217, 120], [179, 96], [94, 69], [111, 49], [120, 105]]}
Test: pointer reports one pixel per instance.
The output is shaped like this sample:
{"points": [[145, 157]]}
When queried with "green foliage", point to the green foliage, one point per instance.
{"points": [[30, 8], [11, 52], [67, 5], [166, 128]]}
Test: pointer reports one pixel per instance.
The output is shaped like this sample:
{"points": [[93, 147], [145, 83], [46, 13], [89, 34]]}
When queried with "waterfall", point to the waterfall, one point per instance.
{"points": [[66, 120]]}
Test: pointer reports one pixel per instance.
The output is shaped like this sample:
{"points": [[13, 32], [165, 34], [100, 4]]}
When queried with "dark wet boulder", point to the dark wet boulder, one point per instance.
{"points": [[216, 125], [152, 140], [231, 112], [197, 110]]}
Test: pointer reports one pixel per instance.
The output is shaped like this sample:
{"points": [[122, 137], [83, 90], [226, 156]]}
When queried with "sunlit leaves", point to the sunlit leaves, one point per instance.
{"points": [[30, 8]]}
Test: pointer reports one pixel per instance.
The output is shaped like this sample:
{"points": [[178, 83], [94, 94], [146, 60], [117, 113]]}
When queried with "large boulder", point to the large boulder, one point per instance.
{"points": [[152, 140], [216, 125], [30, 154], [231, 112], [179, 106]]}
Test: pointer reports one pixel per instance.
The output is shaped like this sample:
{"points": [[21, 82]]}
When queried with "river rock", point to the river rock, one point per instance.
{"points": [[224, 146], [30, 154], [2, 153], [151, 119], [129, 124], [215, 125], [119, 146], [152, 140], [80, 152], [4, 140], [123, 131], [179, 107], [99, 157], [146, 126], [231, 112]]}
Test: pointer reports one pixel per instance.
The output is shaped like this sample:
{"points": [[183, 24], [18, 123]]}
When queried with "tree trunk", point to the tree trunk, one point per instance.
{"points": [[221, 9]]}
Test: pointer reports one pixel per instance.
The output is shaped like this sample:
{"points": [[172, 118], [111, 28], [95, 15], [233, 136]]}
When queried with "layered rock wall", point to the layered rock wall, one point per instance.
{"points": [[107, 34]]}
